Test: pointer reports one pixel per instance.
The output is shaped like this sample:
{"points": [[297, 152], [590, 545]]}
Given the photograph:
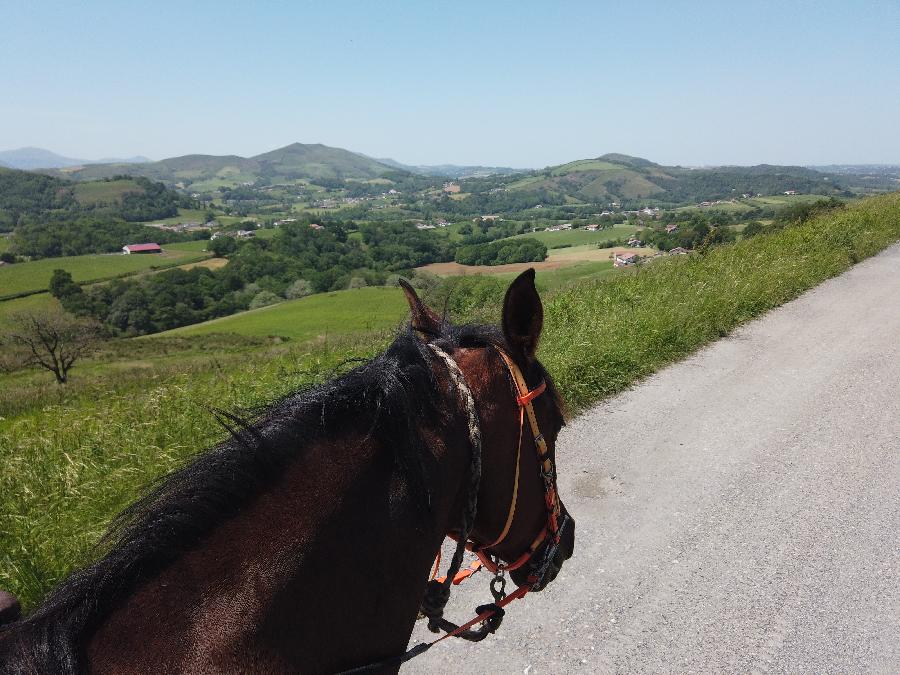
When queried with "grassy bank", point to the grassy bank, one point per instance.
{"points": [[67, 468]]}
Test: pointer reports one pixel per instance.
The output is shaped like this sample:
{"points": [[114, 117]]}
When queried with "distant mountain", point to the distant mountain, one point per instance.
{"points": [[623, 178], [39, 158], [451, 170], [292, 163]]}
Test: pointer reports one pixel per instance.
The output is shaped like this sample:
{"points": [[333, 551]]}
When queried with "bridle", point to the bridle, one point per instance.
{"points": [[524, 399], [437, 592]]}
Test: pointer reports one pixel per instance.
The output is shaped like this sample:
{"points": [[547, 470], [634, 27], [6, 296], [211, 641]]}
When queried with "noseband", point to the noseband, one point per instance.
{"points": [[437, 592]]}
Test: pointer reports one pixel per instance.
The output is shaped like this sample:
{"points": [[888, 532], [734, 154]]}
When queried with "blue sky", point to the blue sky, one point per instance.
{"points": [[524, 84]]}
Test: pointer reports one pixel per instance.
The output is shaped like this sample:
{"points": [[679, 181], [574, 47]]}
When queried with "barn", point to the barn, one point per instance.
{"points": [[141, 248]]}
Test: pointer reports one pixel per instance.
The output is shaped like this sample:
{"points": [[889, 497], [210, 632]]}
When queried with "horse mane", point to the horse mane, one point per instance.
{"points": [[381, 397]]}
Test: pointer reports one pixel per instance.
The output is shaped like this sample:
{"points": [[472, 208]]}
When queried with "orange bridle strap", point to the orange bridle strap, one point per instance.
{"points": [[524, 400]]}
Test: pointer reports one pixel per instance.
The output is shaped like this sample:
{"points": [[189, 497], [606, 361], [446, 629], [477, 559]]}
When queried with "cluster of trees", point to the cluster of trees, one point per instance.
{"points": [[47, 219], [87, 234], [692, 233], [501, 252], [299, 260]]}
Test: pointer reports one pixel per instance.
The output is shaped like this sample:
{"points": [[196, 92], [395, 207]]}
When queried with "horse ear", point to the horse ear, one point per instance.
{"points": [[523, 316], [423, 318]]}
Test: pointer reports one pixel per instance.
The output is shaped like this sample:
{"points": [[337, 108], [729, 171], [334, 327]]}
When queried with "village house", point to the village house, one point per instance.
{"points": [[623, 259], [245, 234], [635, 242], [790, 192], [671, 228], [593, 227], [451, 188], [141, 248]]}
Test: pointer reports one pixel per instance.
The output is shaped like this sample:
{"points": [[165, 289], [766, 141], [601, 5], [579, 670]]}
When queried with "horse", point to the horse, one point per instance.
{"points": [[305, 541]]}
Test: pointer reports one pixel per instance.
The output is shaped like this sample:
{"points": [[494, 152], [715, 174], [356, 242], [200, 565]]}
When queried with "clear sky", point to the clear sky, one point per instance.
{"points": [[524, 84]]}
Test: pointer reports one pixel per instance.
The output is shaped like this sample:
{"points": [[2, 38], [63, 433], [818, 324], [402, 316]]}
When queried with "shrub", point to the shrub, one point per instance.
{"points": [[298, 289], [264, 298]]}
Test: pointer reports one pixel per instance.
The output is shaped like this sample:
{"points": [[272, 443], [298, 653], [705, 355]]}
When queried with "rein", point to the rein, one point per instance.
{"points": [[437, 593]]}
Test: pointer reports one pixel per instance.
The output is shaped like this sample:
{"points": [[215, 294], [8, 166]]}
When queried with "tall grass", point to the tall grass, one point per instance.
{"points": [[66, 468]]}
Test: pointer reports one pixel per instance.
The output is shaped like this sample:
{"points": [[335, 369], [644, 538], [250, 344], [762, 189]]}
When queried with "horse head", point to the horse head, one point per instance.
{"points": [[522, 525]]}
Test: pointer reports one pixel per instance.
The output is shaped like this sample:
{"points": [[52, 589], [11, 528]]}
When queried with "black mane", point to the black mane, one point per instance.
{"points": [[382, 398]]}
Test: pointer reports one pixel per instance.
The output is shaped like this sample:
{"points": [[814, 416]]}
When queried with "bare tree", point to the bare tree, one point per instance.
{"points": [[53, 340]]}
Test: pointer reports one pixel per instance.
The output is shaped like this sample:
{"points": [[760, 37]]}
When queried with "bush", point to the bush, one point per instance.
{"points": [[298, 289], [264, 298], [357, 282]]}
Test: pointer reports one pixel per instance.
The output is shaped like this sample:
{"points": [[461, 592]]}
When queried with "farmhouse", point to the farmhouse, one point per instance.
{"points": [[452, 188], [245, 234], [141, 248], [623, 259], [790, 192], [671, 227]]}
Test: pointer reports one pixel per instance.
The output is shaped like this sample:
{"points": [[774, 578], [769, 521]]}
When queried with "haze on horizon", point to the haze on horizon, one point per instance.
{"points": [[520, 84]]}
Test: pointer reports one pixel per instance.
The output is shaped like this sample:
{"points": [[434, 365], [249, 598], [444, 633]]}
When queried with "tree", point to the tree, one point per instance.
{"points": [[53, 340], [298, 289]]}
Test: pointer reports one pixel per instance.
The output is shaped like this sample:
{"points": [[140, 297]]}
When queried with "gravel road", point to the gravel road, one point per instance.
{"points": [[737, 512]]}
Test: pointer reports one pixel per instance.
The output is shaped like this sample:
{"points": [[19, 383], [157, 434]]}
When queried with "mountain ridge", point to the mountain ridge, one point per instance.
{"points": [[30, 158]]}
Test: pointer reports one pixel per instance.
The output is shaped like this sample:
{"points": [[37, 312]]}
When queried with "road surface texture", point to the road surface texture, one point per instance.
{"points": [[736, 512]]}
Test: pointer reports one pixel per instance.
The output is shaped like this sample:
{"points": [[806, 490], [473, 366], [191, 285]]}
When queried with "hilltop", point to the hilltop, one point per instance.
{"points": [[292, 163], [622, 178]]}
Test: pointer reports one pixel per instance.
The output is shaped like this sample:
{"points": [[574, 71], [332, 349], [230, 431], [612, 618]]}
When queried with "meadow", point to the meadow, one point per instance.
{"points": [[578, 237], [319, 316], [69, 464], [33, 277]]}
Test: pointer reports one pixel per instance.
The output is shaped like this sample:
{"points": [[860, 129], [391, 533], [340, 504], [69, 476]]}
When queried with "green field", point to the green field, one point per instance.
{"points": [[73, 458], [577, 237], [38, 302], [184, 216], [32, 277], [316, 316], [104, 191]]}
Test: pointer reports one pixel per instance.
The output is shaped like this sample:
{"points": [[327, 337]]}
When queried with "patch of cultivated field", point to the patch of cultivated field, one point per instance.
{"points": [[557, 259], [580, 236], [592, 253], [105, 190], [316, 316], [184, 216], [32, 277]]}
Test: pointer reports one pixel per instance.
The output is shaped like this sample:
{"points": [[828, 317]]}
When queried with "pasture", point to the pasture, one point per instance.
{"points": [[577, 237], [314, 317], [70, 466], [34, 277], [104, 191]]}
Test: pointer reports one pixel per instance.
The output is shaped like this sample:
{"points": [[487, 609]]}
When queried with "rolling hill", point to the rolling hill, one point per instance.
{"points": [[39, 158], [626, 179], [292, 163]]}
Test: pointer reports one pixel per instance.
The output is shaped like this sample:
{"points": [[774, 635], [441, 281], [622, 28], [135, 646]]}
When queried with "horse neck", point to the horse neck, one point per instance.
{"points": [[326, 570]]}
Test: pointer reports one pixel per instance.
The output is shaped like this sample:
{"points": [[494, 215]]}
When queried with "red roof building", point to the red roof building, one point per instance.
{"points": [[142, 248]]}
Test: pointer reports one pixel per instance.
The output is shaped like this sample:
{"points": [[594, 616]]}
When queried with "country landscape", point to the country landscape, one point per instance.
{"points": [[279, 286]]}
